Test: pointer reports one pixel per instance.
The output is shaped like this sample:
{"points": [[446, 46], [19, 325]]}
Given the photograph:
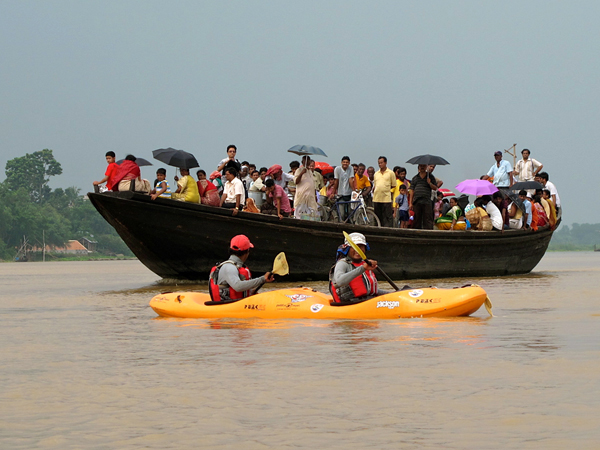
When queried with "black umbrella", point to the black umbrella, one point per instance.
{"points": [[139, 161], [176, 158], [514, 198], [428, 159], [526, 185]]}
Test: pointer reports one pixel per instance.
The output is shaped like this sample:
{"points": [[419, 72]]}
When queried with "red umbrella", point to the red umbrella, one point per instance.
{"points": [[447, 192], [325, 167]]}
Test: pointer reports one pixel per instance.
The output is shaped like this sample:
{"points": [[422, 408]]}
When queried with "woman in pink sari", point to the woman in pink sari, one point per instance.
{"points": [[208, 191], [542, 217]]}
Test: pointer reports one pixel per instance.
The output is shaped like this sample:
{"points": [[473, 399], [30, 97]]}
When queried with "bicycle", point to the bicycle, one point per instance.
{"points": [[359, 214]]}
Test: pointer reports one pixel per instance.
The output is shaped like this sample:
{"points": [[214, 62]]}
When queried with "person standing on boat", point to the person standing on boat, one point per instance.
{"points": [[305, 201], [343, 185], [501, 172], [421, 186], [231, 279], [527, 168], [385, 184], [351, 279]]}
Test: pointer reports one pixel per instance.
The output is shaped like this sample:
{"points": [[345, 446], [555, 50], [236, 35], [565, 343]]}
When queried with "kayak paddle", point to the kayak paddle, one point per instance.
{"points": [[358, 250]]}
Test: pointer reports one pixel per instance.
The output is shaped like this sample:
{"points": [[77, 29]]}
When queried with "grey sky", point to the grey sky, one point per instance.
{"points": [[460, 79]]}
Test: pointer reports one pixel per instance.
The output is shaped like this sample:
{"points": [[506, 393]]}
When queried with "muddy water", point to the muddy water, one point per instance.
{"points": [[87, 364]]}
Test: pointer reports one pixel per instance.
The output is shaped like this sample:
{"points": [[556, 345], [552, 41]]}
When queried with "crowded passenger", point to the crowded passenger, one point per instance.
{"points": [[230, 161], [500, 173], [277, 201], [492, 210], [421, 187], [257, 188], [208, 192], [233, 196], [305, 199], [111, 172], [344, 183], [401, 210], [161, 188], [527, 168], [384, 182], [453, 219], [527, 214], [127, 173]]}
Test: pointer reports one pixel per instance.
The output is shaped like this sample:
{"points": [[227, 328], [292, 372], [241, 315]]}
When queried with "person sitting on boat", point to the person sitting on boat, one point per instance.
{"points": [[127, 172], [187, 189], [453, 219], [231, 279], [233, 192], [209, 195], [351, 279], [110, 173], [277, 200], [162, 188], [279, 177]]}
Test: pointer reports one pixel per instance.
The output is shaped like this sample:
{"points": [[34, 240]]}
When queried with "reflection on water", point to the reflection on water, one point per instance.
{"points": [[87, 364]]}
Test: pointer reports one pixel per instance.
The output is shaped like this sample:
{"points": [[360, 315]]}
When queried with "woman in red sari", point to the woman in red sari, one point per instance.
{"points": [[208, 191], [128, 170]]}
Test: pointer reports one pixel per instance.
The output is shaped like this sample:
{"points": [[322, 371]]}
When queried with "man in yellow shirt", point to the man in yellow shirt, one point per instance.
{"points": [[385, 182]]}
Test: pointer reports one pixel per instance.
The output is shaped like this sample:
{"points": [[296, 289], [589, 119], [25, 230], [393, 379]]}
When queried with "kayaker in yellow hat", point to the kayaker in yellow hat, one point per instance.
{"points": [[351, 279]]}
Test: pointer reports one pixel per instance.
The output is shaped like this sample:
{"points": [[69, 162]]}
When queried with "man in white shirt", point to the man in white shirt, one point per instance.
{"points": [[493, 212], [527, 168], [543, 177], [233, 192]]}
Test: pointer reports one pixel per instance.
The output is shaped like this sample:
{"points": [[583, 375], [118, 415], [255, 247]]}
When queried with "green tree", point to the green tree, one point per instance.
{"points": [[32, 173]]}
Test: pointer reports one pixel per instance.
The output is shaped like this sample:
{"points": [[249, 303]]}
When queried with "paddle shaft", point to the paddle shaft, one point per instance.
{"points": [[384, 275]]}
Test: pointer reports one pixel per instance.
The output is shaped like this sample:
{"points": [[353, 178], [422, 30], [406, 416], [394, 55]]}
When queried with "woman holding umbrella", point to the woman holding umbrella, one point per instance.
{"points": [[187, 189]]}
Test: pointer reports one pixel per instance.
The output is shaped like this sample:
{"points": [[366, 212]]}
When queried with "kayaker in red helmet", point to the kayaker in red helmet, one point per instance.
{"points": [[351, 279], [231, 279]]}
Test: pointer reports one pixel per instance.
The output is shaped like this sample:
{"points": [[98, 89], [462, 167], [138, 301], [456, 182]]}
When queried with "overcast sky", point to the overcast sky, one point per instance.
{"points": [[460, 79]]}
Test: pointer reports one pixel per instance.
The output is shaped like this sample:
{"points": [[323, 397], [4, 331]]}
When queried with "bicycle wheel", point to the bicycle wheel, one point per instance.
{"points": [[367, 217], [332, 216]]}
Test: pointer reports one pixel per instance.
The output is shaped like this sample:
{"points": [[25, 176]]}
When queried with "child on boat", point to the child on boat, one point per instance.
{"points": [[110, 173], [162, 188]]}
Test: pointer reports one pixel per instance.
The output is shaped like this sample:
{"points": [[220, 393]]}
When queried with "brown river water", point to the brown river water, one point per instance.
{"points": [[87, 364]]}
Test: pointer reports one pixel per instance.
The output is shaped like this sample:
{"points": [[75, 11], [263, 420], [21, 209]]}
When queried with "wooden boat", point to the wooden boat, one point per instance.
{"points": [[306, 303], [179, 240]]}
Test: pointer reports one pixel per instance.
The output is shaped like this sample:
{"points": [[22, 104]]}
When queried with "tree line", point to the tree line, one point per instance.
{"points": [[30, 208], [585, 236]]}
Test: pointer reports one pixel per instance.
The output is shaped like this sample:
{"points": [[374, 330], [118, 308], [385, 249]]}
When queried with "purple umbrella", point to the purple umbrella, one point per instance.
{"points": [[476, 187]]}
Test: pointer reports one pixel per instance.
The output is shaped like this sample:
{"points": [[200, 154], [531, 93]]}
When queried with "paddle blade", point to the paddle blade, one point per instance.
{"points": [[280, 265], [488, 306], [356, 248]]}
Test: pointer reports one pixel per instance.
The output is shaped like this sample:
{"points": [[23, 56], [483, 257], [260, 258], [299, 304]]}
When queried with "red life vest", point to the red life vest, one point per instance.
{"points": [[361, 286], [225, 293]]}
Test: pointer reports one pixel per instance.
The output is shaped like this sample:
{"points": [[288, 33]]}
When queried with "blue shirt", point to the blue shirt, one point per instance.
{"points": [[527, 204], [501, 174]]}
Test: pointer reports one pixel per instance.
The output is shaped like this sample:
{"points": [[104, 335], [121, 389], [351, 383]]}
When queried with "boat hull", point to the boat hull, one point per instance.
{"points": [[306, 303], [179, 240]]}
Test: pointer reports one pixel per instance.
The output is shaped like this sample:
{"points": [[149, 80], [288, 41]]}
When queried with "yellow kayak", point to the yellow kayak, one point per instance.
{"points": [[306, 303]]}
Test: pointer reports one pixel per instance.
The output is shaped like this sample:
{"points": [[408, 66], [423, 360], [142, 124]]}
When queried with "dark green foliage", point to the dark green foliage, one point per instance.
{"points": [[32, 173], [28, 207], [577, 237]]}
